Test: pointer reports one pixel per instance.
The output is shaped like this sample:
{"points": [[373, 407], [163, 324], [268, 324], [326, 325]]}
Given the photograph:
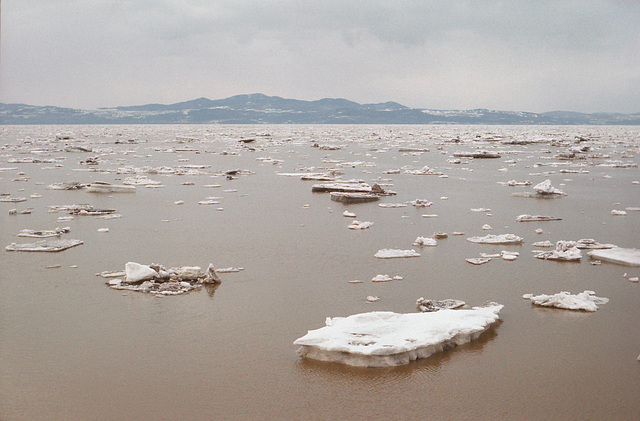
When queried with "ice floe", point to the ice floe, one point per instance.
{"points": [[585, 301], [565, 251], [156, 279], [425, 241], [536, 218], [497, 239], [395, 253], [624, 256], [360, 225], [428, 306], [48, 245], [546, 189], [383, 339]]}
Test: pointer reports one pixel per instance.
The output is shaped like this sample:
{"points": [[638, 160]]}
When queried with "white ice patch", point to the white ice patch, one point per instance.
{"points": [[620, 255], [586, 301], [383, 339], [496, 239], [395, 253]]}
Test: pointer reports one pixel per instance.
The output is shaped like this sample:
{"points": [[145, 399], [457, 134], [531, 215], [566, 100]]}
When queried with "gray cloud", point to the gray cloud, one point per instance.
{"points": [[517, 54]]}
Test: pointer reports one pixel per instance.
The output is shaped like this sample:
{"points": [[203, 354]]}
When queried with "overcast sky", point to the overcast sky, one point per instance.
{"points": [[537, 55]]}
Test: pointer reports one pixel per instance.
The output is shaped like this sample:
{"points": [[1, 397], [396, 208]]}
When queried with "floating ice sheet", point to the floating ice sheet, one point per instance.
{"points": [[395, 253], [382, 339], [624, 256], [585, 301], [49, 245], [496, 239]]}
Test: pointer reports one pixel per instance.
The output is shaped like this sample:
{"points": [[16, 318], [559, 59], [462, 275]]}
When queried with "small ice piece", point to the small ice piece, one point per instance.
{"points": [[545, 243], [104, 187], [421, 203], [395, 253], [392, 205], [624, 256], [589, 243], [382, 278], [585, 301], [478, 260], [432, 215], [428, 306], [545, 188], [209, 202], [496, 239], [509, 255], [425, 241], [49, 245], [615, 212], [487, 227], [135, 272], [179, 202], [103, 229], [356, 281], [348, 214], [536, 218], [633, 279], [441, 235], [228, 270], [372, 298], [384, 339], [539, 231], [360, 225], [565, 251], [480, 210]]}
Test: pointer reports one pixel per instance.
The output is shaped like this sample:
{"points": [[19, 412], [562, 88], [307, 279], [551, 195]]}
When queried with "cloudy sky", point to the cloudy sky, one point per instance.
{"points": [[528, 55]]}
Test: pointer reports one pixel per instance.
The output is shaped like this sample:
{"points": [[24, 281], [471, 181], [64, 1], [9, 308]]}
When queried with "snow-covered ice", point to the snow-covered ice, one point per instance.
{"points": [[425, 241], [48, 245], [383, 339], [427, 306], [395, 253], [586, 301], [625, 256], [545, 188], [360, 225], [496, 239], [565, 250]]}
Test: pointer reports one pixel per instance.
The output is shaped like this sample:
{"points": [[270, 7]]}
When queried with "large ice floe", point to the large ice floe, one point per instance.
{"points": [[624, 256], [156, 279], [383, 339], [585, 301]]}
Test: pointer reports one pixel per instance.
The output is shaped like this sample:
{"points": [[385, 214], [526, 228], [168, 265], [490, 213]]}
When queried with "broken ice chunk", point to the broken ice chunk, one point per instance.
{"points": [[496, 239], [565, 251], [428, 306], [425, 241], [360, 225], [545, 188], [586, 301]]}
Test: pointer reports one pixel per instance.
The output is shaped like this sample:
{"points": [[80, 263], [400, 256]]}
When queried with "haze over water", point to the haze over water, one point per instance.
{"points": [[72, 348]]}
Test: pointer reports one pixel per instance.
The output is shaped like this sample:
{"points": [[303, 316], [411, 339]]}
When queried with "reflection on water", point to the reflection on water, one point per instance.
{"points": [[71, 348]]}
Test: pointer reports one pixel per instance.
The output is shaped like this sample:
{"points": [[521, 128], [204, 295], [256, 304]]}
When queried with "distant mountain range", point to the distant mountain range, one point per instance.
{"points": [[263, 109]]}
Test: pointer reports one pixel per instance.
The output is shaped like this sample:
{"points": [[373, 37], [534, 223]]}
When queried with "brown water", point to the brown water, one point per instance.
{"points": [[71, 348]]}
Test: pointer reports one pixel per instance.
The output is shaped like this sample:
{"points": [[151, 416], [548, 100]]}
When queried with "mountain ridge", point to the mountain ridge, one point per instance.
{"points": [[258, 108]]}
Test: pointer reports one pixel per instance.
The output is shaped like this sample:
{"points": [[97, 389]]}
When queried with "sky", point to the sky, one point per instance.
{"points": [[515, 55]]}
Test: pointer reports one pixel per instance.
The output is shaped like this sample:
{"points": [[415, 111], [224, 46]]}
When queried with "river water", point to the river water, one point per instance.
{"points": [[72, 348]]}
